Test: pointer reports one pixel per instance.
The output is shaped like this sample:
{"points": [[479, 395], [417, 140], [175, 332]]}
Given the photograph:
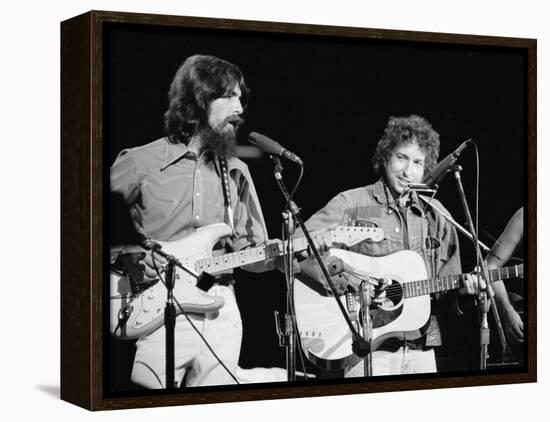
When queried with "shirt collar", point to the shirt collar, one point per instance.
{"points": [[379, 192], [173, 152]]}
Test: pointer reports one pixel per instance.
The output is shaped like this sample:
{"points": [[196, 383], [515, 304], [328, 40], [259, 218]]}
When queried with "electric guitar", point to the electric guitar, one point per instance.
{"points": [[134, 314], [405, 315]]}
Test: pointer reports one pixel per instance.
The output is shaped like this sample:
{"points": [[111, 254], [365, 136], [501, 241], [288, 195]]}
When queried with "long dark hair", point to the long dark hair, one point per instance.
{"points": [[199, 80], [401, 130]]}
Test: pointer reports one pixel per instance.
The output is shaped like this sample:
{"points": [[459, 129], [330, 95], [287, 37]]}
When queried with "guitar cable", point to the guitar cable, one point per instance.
{"points": [[184, 313]]}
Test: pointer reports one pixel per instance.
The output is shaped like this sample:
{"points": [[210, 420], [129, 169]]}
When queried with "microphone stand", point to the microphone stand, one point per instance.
{"points": [[451, 220], [360, 347], [487, 295], [170, 325], [290, 316], [366, 322], [170, 309], [287, 336]]}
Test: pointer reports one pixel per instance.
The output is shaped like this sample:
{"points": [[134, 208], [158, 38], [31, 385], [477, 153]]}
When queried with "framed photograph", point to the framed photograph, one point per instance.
{"points": [[198, 156]]}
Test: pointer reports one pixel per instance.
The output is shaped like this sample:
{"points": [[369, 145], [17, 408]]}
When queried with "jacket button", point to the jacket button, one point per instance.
{"points": [[396, 229]]}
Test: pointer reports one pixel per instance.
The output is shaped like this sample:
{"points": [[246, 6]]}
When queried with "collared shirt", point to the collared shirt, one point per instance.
{"points": [[171, 193], [406, 225]]}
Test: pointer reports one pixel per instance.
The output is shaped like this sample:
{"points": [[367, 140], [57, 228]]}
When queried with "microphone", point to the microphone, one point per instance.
{"points": [[441, 170], [269, 146]]}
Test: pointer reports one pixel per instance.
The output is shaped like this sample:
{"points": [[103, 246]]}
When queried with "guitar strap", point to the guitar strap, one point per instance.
{"points": [[226, 192]]}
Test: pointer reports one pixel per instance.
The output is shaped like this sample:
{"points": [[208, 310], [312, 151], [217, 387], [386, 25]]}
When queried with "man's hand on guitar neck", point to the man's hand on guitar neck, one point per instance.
{"points": [[471, 285]]}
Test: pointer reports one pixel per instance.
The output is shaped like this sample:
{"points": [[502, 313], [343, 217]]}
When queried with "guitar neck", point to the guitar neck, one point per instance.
{"points": [[451, 282], [346, 235], [237, 259]]}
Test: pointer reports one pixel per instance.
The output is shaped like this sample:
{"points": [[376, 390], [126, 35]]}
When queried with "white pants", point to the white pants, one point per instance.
{"points": [[223, 331], [402, 361]]}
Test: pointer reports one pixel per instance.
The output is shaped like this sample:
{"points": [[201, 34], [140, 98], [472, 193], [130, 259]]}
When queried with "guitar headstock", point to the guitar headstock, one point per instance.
{"points": [[352, 235]]}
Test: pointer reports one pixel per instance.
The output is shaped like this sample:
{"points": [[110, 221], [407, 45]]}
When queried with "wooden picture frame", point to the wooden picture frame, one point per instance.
{"points": [[94, 115]]}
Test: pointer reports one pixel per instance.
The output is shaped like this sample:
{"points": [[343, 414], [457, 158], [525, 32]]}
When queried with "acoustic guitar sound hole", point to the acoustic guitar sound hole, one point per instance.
{"points": [[393, 295], [391, 308]]}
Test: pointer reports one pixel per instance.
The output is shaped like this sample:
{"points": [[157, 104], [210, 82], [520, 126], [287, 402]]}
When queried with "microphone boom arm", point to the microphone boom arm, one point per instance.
{"points": [[451, 220]]}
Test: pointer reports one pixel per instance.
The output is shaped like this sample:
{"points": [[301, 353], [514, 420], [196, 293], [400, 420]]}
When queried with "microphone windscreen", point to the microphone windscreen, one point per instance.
{"points": [[266, 144]]}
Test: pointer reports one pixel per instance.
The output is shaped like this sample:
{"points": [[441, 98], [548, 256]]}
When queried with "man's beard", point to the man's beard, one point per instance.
{"points": [[221, 143]]}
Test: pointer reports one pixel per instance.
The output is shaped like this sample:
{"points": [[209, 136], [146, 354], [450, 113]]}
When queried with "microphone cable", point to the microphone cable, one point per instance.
{"points": [[297, 183]]}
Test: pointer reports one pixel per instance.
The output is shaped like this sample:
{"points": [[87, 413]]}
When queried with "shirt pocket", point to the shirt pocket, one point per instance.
{"points": [[433, 255], [160, 197]]}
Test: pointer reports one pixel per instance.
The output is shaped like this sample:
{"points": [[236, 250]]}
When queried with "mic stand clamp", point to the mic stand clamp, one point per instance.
{"points": [[487, 295]]}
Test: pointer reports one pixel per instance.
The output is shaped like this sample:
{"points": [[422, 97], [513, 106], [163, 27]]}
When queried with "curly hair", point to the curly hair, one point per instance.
{"points": [[412, 129], [198, 81]]}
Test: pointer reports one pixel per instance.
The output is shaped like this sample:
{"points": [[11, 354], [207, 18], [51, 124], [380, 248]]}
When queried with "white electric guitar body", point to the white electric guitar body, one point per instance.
{"points": [[137, 313]]}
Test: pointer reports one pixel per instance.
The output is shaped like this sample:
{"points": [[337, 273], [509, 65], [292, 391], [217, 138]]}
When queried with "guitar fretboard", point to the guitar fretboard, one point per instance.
{"points": [[341, 234], [232, 260], [450, 282]]}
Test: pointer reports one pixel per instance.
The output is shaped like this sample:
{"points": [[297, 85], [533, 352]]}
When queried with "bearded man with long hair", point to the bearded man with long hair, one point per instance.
{"points": [[174, 186]]}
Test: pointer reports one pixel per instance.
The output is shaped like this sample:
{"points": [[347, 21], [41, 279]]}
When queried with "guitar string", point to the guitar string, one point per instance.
{"points": [[395, 290]]}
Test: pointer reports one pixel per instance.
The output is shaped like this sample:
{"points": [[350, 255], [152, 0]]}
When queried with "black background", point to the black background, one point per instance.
{"points": [[328, 99]]}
